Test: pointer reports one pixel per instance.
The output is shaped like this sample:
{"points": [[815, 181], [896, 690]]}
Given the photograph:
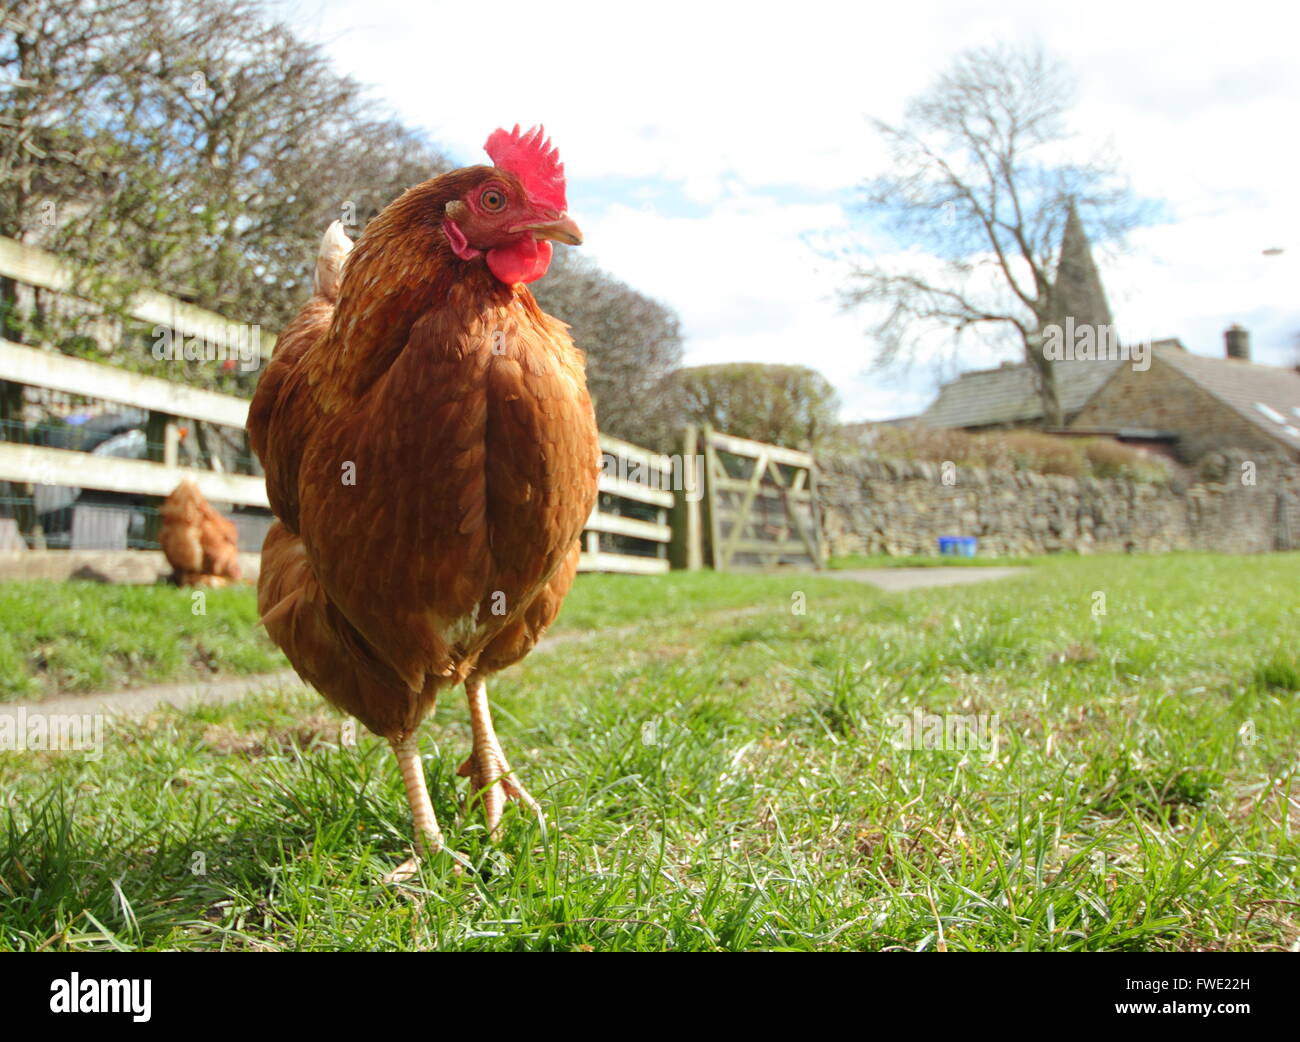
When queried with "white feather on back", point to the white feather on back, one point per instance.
{"points": [[334, 249]]}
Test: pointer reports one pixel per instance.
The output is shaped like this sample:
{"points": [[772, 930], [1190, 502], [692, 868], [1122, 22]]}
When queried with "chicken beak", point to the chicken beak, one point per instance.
{"points": [[563, 229]]}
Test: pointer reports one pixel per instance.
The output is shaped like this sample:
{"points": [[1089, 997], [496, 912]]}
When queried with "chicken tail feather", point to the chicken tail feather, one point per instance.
{"points": [[334, 250]]}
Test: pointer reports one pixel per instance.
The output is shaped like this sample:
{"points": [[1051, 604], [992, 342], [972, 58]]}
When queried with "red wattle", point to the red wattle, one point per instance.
{"points": [[522, 261]]}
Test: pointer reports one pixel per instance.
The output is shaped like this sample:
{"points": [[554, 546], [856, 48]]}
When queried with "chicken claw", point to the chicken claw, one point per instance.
{"points": [[491, 778]]}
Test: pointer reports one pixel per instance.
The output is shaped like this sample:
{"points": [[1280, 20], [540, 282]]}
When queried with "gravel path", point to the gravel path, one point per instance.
{"points": [[896, 580]]}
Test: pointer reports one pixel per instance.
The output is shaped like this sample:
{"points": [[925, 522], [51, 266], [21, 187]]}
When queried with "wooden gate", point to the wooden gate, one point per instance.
{"points": [[761, 502]]}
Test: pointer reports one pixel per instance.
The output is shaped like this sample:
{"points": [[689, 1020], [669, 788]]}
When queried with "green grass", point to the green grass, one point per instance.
{"points": [[78, 637], [84, 636], [717, 773], [75, 637]]}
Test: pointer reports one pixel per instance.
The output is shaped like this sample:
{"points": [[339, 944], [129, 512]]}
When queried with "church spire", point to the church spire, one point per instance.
{"points": [[1077, 292]]}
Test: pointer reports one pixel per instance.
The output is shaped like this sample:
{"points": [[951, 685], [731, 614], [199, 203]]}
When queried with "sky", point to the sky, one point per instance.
{"points": [[713, 150]]}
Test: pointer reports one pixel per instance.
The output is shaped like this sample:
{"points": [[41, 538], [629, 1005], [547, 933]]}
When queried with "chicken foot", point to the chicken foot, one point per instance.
{"points": [[491, 777], [428, 836]]}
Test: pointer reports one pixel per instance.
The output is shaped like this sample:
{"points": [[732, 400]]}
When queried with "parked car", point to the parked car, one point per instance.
{"points": [[116, 434]]}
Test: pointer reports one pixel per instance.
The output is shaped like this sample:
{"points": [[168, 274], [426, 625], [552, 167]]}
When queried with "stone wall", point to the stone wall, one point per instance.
{"points": [[897, 507]]}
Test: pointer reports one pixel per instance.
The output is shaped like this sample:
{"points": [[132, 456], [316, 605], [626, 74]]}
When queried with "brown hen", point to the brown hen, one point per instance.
{"points": [[201, 546], [431, 455]]}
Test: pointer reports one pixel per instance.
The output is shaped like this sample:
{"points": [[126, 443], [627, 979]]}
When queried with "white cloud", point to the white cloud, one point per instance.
{"points": [[738, 109]]}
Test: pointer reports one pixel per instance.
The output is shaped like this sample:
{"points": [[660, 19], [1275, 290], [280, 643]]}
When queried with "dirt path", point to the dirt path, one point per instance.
{"points": [[138, 701], [143, 700]]}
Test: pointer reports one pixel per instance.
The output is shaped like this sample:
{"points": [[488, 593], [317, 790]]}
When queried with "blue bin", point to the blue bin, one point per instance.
{"points": [[957, 546]]}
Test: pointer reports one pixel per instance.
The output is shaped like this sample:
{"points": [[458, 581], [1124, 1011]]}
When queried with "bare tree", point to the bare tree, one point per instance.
{"points": [[199, 150], [202, 149], [978, 185], [55, 60]]}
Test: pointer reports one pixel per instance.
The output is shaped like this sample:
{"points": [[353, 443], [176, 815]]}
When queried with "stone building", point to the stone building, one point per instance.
{"points": [[1007, 397], [1234, 424], [1077, 292], [1201, 404], [1182, 404]]}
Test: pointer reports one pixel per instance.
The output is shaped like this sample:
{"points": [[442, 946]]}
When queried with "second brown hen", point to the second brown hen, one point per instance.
{"points": [[201, 546]]}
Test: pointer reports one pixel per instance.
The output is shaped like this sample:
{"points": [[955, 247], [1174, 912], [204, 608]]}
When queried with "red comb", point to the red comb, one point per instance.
{"points": [[532, 159]]}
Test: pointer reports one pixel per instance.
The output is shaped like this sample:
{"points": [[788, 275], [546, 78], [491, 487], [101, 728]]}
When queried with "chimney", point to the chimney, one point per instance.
{"points": [[1237, 342]]}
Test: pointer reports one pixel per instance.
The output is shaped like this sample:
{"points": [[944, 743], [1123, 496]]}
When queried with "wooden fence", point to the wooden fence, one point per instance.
{"points": [[37, 465], [628, 531], [30, 266], [736, 504]]}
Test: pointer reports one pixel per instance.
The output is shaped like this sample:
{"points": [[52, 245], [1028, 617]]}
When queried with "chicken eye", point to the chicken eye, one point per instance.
{"points": [[492, 200]]}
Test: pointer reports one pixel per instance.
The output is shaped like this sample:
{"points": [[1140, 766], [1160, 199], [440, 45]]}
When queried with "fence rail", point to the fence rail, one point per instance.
{"points": [[59, 372], [629, 529], [35, 465], [32, 266]]}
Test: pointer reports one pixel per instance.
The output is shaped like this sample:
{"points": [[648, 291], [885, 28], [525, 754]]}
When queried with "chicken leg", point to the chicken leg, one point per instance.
{"points": [[428, 836], [489, 772]]}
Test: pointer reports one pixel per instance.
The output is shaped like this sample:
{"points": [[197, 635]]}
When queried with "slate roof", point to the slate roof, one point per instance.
{"points": [[1267, 396], [989, 397]]}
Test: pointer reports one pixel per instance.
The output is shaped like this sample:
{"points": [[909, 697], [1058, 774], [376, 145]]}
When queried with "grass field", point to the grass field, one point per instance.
{"points": [[720, 771], [84, 636]]}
